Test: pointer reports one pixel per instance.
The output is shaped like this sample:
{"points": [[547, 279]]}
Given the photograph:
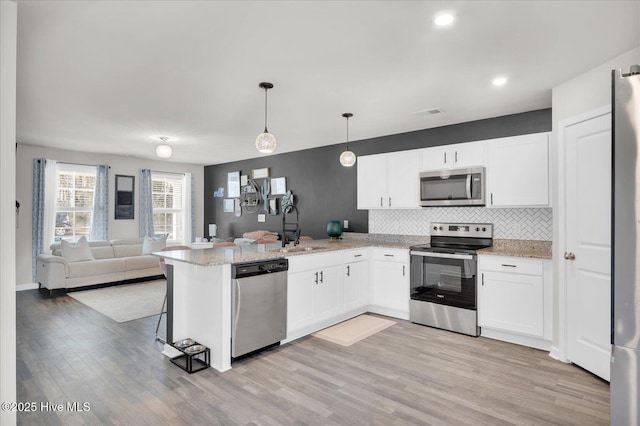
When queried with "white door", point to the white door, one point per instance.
{"points": [[587, 161]]}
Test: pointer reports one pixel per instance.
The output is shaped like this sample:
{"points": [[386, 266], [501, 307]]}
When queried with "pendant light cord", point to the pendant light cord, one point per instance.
{"points": [[347, 133], [265, 110]]}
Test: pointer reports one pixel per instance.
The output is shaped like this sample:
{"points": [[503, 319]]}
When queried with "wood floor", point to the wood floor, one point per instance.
{"points": [[405, 374]]}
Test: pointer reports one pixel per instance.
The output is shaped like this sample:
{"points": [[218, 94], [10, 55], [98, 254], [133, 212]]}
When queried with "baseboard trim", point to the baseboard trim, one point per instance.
{"points": [[30, 286], [557, 355]]}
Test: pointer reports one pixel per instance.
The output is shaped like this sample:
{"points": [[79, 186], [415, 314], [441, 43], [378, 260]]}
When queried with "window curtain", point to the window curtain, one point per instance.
{"points": [[145, 210], [193, 207], [187, 209], [44, 208], [100, 209]]}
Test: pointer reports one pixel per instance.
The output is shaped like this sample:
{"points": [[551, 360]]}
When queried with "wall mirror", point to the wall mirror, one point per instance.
{"points": [[124, 196]]}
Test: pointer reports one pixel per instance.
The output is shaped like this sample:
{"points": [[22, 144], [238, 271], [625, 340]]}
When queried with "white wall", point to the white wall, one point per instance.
{"points": [[8, 43], [120, 165], [584, 93]]}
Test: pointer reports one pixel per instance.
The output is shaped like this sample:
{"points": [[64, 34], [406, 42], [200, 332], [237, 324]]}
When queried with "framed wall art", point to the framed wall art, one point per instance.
{"points": [[124, 197]]}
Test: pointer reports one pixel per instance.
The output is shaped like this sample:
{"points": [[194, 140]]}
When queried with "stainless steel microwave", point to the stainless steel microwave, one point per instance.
{"points": [[454, 187]]}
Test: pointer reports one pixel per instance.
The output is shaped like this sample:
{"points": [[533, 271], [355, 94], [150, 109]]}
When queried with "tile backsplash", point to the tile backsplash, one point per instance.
{"points": [[517, 224]]}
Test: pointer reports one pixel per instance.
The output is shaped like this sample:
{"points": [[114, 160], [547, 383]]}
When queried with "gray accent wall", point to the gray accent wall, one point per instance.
{"points": [[324, 190]]}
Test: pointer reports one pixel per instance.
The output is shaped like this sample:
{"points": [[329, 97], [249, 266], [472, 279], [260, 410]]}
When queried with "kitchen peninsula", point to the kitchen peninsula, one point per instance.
{"points": [[199, 287], [199, 284]]}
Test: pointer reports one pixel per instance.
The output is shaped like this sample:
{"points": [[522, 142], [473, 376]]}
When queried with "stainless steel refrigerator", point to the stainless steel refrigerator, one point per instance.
{"points": [[625, 300]]}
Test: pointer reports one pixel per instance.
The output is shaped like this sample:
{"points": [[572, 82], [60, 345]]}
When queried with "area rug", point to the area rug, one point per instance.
{"points": [[351, 331], [124, 303]]}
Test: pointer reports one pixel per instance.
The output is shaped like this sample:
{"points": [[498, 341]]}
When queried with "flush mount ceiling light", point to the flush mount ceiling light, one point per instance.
{"points": [[443, 19], [164, 149], [347, 158], [499, 81], [265, 142]]}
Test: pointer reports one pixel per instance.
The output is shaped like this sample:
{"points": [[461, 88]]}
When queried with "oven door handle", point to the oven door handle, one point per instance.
{"points": [[469, 186], [442, 255]]}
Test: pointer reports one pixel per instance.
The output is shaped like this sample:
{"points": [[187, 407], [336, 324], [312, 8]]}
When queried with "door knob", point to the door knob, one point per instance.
{"points": [[569, 256]]}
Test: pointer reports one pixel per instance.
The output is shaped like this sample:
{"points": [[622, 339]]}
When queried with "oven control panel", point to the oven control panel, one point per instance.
{"points": [[473, 230]]}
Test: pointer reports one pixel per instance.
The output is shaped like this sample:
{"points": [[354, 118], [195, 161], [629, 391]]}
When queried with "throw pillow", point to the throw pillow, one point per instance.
{"points": [[76, 252], [153, 244]]}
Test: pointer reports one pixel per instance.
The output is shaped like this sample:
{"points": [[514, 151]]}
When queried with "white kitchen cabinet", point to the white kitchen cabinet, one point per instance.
{"points": [[300, 288], [327, 292], [456, 156], [356, 279], [390, 282], [388, 181], [372, 181], [314, 289], [515, 300], [518, 171]]}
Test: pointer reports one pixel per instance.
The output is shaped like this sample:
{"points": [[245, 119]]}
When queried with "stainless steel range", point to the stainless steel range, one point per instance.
{"points": [[443, 277]]}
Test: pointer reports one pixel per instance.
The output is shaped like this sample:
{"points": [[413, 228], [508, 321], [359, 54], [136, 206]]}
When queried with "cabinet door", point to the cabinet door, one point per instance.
{"points": [[511, 302], [300, 289], [436, 158], [372, 181], [518, 171], [403, 179], [356, 276], [390, 282], [468, 154], [327, 298]]}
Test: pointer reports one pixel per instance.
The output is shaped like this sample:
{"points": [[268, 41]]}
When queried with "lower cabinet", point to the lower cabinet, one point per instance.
{"points": [[314, 289], [390, 282], [326, 288], [515, 300], [356, 279]]}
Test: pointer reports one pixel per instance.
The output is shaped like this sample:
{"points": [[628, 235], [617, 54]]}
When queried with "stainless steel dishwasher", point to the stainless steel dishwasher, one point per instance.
{"points": [[258, 305]]}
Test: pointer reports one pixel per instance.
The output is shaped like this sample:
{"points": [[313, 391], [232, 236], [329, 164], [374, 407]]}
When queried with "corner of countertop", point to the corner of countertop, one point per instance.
{"points": [[539, 249]]}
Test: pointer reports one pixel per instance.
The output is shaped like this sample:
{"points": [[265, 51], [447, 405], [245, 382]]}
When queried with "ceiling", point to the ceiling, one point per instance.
{"points": [[108, 76]]}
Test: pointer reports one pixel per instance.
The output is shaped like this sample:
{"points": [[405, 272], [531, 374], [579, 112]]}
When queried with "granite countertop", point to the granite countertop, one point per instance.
{"points": [[253, 252], [519, 248]]}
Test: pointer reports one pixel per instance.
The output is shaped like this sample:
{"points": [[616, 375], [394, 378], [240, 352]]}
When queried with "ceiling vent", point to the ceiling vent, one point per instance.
{"points": [[429, 112]]}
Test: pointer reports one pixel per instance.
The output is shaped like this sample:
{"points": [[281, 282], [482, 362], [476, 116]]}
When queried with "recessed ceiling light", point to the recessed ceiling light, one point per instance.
{"points": [[499, 81], [442, 19]]}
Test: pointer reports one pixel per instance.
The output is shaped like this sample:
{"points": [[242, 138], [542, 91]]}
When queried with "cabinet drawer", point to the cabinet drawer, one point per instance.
{"points": [[356, 255], [515, 265], [307, 262], [390, 255]]}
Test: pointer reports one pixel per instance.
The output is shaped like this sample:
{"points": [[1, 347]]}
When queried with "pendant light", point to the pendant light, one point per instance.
{"points": [[164, 149], [347, 158], [265, 142]]}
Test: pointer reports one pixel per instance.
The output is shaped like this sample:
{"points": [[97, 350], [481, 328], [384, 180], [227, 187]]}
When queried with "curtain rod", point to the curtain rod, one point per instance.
{"points": [[168, 173], [78, 164]]}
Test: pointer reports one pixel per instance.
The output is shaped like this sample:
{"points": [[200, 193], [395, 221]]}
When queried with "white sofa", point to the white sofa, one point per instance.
{"points": [[115, 260]]}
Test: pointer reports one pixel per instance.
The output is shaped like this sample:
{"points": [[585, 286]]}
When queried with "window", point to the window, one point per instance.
{"points": [[168, 205], [76, 185]]}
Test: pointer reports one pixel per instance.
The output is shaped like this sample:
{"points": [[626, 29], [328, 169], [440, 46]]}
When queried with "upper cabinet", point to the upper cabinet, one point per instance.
{"points": [[518, 171], [389, 181], [452, 156]]}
